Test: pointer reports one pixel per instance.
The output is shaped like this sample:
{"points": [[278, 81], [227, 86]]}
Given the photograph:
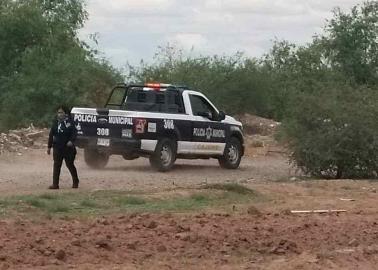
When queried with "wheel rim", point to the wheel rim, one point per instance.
{"points": [[233, 154], [166, 155]]}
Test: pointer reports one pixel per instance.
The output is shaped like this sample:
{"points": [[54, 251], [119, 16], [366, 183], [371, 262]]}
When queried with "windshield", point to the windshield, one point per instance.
{"points": [[167, 101], [116, 99], [138, 98]]}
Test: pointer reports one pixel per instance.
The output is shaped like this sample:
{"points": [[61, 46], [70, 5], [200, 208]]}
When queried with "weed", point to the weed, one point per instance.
{"points": [[130, 200], [233, 187], [88, 203]]}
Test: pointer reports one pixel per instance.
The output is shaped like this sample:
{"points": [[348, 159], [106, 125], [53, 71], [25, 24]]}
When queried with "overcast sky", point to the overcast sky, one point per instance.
{"points": [[131, 30]]}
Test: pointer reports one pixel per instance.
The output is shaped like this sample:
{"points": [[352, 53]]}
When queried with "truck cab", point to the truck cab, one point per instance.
{"points": [[160, 121]]}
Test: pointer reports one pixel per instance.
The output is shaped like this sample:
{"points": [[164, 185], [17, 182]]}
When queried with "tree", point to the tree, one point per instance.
{"points": [[330, 117], [44, 64], [351, 43], [236, 84]]}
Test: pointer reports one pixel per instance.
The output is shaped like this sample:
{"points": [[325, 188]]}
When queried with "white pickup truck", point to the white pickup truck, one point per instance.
{"points": [[160, 121]]}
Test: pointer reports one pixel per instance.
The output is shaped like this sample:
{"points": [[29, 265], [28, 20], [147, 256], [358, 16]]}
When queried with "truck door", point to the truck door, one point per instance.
{"points": [[207, 133]]}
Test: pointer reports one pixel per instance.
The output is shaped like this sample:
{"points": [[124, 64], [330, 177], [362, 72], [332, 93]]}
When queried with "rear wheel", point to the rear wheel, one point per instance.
{"points": [[232, 154], [95, 159], [165, 155]]}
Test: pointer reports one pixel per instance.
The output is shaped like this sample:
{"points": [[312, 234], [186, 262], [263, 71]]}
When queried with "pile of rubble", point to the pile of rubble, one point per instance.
{"points": [[253, 125], [21, 139], [259, 135]]}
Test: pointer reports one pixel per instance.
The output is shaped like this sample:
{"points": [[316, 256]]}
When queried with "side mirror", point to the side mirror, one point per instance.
{"points": [[204, 114], [221, 116]]}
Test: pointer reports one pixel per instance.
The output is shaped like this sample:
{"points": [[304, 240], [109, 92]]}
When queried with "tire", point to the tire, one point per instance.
{"points": [[95, 159], [232, 154], [165, 155]]}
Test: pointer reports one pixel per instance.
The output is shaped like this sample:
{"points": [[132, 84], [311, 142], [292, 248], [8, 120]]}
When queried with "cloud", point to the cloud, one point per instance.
{"points": [[130, 30], [119, 8], [187, 41]]}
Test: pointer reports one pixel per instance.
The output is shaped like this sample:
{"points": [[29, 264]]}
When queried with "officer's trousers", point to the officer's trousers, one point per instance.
{"points": [[68, 154]]}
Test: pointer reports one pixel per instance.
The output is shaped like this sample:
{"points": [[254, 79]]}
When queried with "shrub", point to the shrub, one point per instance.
{"points": [[333, 133]]}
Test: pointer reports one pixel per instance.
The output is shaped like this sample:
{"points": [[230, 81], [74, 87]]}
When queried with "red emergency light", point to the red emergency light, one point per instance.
{"points": [[156, 86], [153, 85]]}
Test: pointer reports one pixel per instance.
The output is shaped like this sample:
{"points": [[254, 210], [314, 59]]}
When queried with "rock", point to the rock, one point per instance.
{"points": [[133, 215], [151, 225], [183, 228], [183, 236], [161, 248], [34, 135], [5, 266], [76, 243], [15, 137], [353, 243], [286, 212], [131, 246], [19, 140], [285, 246], [147, 255], [371, 250], [47, 252], [103, 221], [253, 211], [39, 240], [193, 238], [103, 243], [60, 254]]}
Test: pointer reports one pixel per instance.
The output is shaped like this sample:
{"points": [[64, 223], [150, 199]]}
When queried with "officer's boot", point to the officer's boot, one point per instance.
{"points": [[75, 183]]}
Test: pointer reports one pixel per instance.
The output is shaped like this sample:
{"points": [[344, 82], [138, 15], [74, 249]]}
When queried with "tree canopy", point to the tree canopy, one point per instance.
{"points": [[43, 63]]}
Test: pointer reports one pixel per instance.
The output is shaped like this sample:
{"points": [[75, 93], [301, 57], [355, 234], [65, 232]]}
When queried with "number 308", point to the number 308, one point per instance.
{"points": [[102, 131]]}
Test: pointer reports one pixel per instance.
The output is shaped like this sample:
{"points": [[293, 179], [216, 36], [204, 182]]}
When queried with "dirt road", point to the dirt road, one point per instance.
{"points": [[32, 172], [268, 238]]}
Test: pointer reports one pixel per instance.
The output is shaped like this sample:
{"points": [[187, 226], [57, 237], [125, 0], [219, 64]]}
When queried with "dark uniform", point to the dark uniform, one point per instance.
{"points": [[61, 133]]}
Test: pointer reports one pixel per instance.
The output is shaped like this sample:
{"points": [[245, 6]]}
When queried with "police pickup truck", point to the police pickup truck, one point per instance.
{"points": [[160, 121]]}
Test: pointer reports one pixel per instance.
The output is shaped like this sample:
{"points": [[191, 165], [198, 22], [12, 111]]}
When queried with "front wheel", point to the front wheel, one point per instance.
{"points": [[232, 154], [95, 159], [164, 156]]}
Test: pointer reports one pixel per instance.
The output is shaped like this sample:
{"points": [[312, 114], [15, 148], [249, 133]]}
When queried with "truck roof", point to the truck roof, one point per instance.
{"points": [[155, 86]]}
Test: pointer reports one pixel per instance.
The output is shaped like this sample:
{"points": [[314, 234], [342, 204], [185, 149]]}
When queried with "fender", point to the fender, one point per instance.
{"points": [[236, 131], [173, 134]]}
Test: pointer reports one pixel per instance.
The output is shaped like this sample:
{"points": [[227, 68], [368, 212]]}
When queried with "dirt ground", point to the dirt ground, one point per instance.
{"points": [[266, 237]]}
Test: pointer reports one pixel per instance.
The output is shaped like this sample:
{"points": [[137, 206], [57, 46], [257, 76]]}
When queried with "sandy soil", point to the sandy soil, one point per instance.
{"points": [[32, 172], [268, 237]]}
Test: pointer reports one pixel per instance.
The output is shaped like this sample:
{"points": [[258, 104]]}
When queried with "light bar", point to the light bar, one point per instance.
{"points": [[157, 85]]}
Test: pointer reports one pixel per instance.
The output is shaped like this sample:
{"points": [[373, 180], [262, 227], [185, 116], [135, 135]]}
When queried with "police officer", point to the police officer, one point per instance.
{"points": [[61, 139]]}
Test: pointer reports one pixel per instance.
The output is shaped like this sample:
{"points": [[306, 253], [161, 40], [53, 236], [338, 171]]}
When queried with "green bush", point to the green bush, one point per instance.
{"points": [[333, 133]]}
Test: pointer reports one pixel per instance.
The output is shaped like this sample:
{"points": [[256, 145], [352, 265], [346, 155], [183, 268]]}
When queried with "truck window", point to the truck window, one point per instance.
{"points": [[200, 105], [140, 100], [174, 102], [116, 99], [168, 101]]}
